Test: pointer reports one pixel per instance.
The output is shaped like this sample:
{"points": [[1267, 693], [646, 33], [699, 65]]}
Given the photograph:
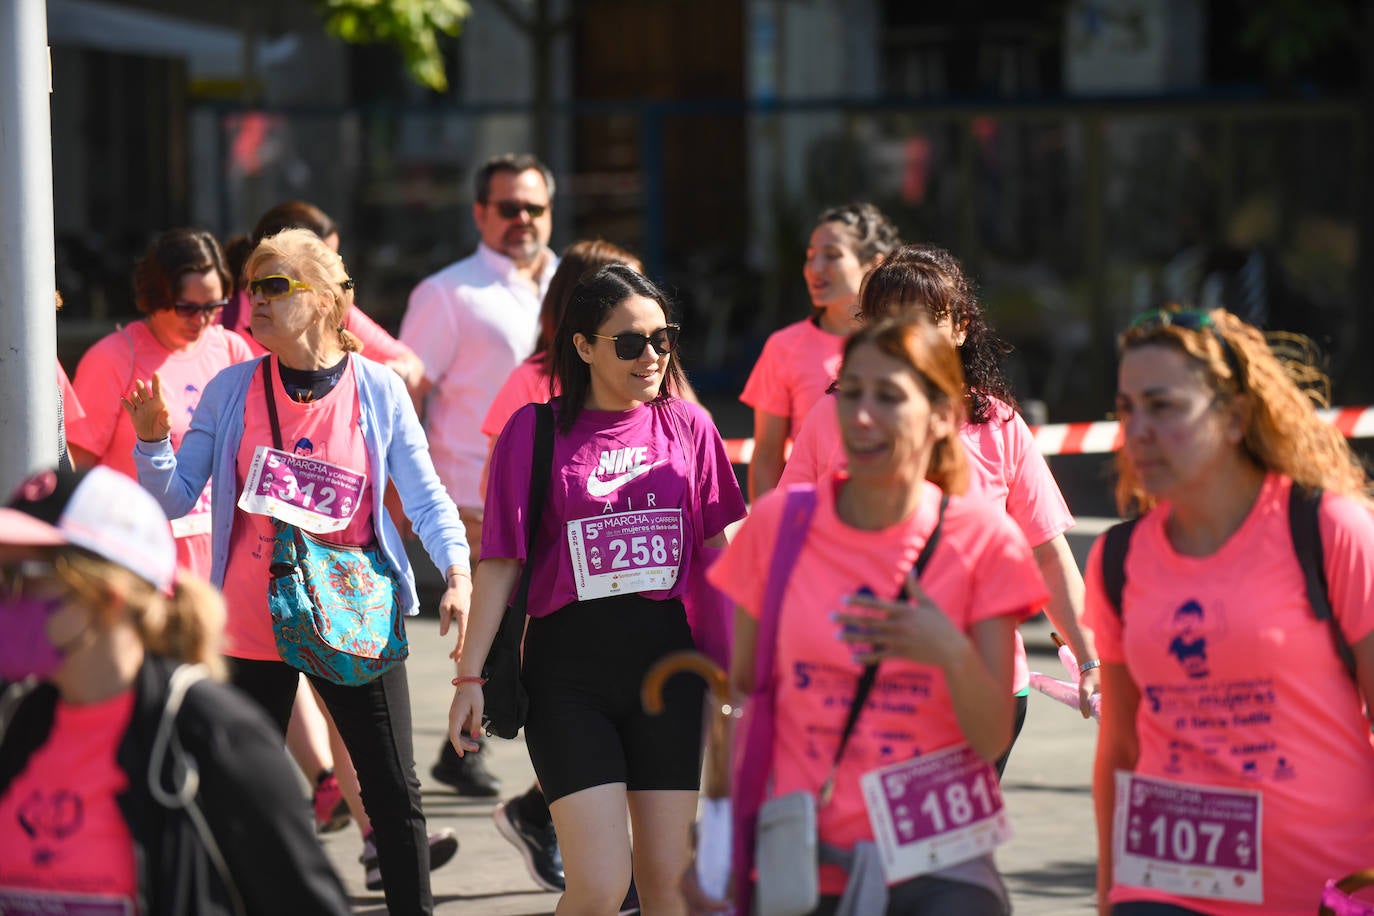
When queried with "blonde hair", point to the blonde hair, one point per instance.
{"points": [[1282, 430], [185, 626], [914, 341], [316, 265]]}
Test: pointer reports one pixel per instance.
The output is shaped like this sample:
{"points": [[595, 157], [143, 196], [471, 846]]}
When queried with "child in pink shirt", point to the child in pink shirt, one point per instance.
{"points": [[799, 362], [1226, 709]]}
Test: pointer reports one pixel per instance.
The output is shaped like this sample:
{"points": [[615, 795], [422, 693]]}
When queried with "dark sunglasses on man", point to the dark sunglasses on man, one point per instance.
{"points": [[511, 209], [192, 309], [630, 345]]}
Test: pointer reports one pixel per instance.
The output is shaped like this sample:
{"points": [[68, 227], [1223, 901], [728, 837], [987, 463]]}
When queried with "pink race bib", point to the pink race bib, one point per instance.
{"points": [[934, 811], [313, 495], [1197, 841]]}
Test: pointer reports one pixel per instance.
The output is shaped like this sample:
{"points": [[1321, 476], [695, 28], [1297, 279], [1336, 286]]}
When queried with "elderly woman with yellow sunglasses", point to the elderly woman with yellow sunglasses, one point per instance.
{"points": [[308, 436]]}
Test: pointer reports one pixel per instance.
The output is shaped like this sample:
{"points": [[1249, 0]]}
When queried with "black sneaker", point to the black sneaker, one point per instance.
{"points": [[466, 775], [538, 845], [442, 847]]}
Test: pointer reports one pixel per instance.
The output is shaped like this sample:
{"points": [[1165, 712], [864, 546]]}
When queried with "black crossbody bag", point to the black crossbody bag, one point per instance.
{"points": [[506, 704]]}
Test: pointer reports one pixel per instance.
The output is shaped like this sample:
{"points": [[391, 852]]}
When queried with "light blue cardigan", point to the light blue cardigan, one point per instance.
{"points": [[396, 450]]}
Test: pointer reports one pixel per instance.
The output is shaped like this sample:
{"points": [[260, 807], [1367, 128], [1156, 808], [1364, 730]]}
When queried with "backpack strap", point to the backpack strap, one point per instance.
{"points": [[1116, 543], [1304, 523]]}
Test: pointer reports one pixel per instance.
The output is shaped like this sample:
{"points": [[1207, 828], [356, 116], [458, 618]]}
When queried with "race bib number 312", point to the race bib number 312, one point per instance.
{"points": [[622, 553], [313, 495]]}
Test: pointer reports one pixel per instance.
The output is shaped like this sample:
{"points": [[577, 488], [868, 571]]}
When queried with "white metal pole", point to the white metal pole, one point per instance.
{"points": [[28, 324]]}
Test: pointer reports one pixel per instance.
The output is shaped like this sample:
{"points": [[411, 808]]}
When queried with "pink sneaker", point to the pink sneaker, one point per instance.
{"points": [[331, 811]]}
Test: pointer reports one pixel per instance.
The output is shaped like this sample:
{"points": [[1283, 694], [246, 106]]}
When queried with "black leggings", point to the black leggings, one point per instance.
{"points": [[1018, 722], [583, 668], [374, 722], [1151, 908], [931, 896]]}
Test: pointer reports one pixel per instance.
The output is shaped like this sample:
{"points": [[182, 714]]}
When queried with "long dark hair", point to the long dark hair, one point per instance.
{"points": [[579, 259], [596, 296], [931, 279]]}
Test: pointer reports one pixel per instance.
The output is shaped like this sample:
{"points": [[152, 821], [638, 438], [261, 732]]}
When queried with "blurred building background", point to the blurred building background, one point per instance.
{"points": [[1084, 158]]}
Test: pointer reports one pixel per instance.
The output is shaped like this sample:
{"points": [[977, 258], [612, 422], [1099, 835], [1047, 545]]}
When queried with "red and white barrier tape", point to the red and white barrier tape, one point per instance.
{"points": [[1104, 437]]}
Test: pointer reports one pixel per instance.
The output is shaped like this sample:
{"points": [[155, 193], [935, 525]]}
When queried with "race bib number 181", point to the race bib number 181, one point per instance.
{"points": [[934, 811]]}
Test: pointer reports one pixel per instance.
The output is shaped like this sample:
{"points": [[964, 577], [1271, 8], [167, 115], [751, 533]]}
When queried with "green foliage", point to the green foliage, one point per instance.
{"points": [[411, 26]]}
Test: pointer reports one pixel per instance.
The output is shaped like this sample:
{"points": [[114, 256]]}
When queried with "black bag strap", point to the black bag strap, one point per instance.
{"points": [[1304, 523], [1116, 543], [870, 674], [271, 397], [541, 469]]}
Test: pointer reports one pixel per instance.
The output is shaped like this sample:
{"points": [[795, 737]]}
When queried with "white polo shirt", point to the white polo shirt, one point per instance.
{"points": [[471, 323]]}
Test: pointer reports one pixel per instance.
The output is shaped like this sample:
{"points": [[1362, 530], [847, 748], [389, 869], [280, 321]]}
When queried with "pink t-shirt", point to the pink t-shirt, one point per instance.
{"points": [[611, 463], [982, 569], [108, 370], [326, 430], [1241, 687], [528, 383], [1003, 466], [61, 831], [797, 365], [378, 345]]}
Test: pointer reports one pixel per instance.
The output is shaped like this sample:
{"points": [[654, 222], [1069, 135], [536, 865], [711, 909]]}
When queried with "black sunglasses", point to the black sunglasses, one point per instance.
{"points": [[192, 309], [630, 345], [510, 209]]}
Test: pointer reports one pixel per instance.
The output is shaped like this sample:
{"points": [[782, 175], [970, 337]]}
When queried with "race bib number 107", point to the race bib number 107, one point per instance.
{"points": [[1196, 841]]}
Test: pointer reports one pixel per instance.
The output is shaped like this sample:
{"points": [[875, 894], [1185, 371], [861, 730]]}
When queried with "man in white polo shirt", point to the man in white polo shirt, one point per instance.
{"points": [[474, 321], [471, 324]]}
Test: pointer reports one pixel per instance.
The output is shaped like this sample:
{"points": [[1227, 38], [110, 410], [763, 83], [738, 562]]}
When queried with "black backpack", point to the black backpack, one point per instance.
{"points": [[1304, 514]]}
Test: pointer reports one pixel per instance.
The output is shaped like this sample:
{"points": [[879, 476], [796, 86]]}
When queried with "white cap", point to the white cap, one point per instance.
{"points": [[100, 510]]}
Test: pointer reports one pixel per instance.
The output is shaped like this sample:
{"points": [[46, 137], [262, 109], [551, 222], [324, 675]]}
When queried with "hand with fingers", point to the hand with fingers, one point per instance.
{"points": [[915, 629], [453, 608], [1089, 688], [148, 411], [465, 716]]}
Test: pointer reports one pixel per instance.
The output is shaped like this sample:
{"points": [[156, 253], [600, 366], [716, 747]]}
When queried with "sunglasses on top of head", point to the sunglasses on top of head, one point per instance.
{"points": [[1191, 320], [511, 209], [193, 309], [631, 345], [1188, 319]]}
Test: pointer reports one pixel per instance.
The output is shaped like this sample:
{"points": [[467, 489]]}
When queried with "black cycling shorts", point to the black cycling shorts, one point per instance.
{"points": [[583, 668]]}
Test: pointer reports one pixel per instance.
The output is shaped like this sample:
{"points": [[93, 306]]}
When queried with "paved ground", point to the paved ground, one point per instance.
{"points": [[1048, 865]]}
